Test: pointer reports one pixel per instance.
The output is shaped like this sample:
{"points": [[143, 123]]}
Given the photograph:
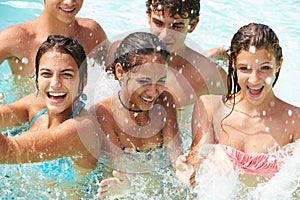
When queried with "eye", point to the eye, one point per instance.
{"points": [[162, 81], [177, 28], [244, 68], [265, 68], [157, 23], [143, 81], [67, 75], [45, 74]]}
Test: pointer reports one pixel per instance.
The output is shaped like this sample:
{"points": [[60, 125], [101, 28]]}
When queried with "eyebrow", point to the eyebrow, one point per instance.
{"points": [[154, 18], [244, 64], [64, 70], [147, 78]]}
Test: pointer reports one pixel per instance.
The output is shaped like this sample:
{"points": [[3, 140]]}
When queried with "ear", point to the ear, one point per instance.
{"points": [[278, 66], [119, 71], [193, 24]]}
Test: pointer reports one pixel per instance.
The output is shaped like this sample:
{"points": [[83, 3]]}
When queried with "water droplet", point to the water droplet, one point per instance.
{"points": [[191, 96], [269, 80], [24, 60], [290, 113], [159, 7], [252, 49]]}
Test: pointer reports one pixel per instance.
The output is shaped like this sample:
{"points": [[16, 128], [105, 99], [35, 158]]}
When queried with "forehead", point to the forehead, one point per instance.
{"points": [[256, 56], [56, 59], [155, 69], [166, 14]]}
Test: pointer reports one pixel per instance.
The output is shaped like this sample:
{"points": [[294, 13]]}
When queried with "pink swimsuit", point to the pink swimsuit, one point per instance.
{"points": [[254, 163]]}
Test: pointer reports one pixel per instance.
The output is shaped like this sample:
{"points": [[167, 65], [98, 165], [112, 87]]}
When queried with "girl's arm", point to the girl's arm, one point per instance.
{"points": [[74, 137], [202, 128], [17, 112]]}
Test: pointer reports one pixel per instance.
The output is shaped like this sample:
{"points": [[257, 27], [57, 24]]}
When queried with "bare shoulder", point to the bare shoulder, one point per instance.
{"points": [[102, 108], [210, 98], [211, 102], [91, 26], [287, 109], [16, 34]]}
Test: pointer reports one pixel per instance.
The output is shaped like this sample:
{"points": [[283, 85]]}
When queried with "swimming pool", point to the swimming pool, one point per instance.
{"points": [[219, 21]]}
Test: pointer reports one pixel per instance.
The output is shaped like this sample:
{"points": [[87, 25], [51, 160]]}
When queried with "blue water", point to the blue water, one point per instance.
{"points": [[219, 20]]}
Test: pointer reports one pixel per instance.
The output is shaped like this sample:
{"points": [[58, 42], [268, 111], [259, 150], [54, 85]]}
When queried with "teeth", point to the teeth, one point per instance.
{"points": [[146, 99], [56, 94], [254, 88], [68, 10]]}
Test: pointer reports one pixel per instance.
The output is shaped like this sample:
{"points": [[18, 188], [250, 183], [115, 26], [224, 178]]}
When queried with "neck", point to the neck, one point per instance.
{"points": [[52, 25], [126, 107], [56, 119], [255, 110]]}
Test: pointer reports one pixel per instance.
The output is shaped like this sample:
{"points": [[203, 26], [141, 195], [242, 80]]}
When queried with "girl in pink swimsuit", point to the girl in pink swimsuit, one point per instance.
{"points": [[250, 121]]}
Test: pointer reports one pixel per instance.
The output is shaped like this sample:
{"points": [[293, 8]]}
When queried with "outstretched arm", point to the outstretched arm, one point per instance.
{"points": [[18, 112], [74, 137]]}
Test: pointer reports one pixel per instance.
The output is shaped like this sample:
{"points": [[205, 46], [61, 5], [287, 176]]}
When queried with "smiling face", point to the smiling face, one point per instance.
{"points": [[256, 74], [58, 80], [63, 10], [172, 30], [143, 84]]}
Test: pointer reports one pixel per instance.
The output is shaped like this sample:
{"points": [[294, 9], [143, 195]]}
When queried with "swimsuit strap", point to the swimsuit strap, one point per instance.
{"points": [[77, 110], [37, 116]]}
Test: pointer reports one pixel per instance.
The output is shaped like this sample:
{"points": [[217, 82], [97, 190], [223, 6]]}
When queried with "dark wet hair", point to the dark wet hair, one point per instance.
{"points": [[257, 35], [135, 49], [186, 9], [66, 45]]}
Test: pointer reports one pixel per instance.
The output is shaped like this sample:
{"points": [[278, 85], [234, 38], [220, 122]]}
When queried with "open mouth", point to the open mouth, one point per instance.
{"points": [[56, 96], [255, 92], [147, 101], [67, 10]]}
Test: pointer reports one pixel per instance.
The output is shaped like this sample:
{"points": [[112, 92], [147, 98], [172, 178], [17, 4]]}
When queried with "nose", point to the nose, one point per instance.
{"points": [[152, 90], [55, 82], [164, 33], [254, 77]]}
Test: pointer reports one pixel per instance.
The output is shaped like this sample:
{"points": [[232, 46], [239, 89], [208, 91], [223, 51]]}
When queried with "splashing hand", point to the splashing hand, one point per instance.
{"points": [[184, 170], [118, 185], [219, 161]]}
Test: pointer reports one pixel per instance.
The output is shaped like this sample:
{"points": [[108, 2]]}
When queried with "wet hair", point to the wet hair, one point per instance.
{"points": [[135, 49], [255, 35], [186, 9], [66, 45]]}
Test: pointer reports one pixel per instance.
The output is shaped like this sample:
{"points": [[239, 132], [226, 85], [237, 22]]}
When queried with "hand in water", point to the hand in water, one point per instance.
{"points": [[219, 161], [117, 185], [184, 170]]}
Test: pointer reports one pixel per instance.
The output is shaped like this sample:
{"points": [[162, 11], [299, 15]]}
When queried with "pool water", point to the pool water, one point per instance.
{"points": [[219, 20]]}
